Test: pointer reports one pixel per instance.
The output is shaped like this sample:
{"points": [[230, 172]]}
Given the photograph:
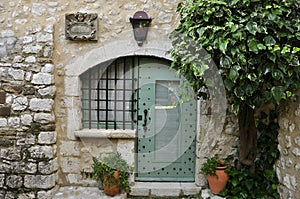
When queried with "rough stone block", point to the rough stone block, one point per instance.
{"points": [[10, 154], [24, 167], [41, 152], [25, 139], [126, 149], [43, 79], [39, 181], [44, 118], [48, 167], [47, 137], [74, 178], [12, 88], [2, 177], [47, 194], [48, 91], [26, 195], [26, 119], [2, 97], [36, 104], [161, 191], [70, 148], [70, 165], [5, 111], [14, 122], [20, 104], [3, 122], [16, 74], [14, 181]]}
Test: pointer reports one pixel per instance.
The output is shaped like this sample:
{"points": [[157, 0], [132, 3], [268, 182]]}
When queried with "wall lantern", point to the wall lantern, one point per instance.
{"points": [[140, 24]]}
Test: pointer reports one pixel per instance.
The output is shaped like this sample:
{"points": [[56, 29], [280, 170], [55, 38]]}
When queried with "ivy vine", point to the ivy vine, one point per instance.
{"points": [[264, 183]]}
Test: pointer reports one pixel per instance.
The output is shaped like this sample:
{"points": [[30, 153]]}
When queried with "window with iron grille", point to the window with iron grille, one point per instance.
{"points": [[108, 95]]}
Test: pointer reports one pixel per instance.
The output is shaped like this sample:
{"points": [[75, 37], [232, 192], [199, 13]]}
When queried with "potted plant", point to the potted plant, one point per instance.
{"points": [[112, 173], [217, 178]]}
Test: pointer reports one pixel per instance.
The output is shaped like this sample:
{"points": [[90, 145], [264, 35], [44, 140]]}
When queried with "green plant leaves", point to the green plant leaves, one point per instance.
{"points": [[252, 27], [269, 41]]}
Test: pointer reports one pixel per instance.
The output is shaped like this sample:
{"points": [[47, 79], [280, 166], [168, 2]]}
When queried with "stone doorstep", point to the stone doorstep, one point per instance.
{"points": [[164, 189], [79, 192]]}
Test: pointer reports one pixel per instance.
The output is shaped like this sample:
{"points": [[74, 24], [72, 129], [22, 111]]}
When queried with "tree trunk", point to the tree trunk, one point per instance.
{"points": [[248, 137]]}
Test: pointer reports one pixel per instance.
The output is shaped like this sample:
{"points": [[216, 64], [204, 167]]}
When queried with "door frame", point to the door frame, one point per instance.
{"points": [[192, 145]]}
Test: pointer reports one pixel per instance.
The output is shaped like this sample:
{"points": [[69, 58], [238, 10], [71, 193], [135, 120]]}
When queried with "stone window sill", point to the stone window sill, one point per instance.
{"points": [[106, 133]]}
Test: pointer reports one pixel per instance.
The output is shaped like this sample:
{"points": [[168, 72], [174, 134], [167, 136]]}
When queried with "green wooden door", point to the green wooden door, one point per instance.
{"points": [[166, 128]]}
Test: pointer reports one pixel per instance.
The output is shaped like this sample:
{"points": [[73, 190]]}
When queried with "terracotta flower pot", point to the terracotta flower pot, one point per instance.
{"points": [[217, 184], [111, 186]]}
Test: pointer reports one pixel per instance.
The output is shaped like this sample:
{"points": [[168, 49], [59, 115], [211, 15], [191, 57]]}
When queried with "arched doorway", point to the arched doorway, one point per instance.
{"points": [[142, 93]]}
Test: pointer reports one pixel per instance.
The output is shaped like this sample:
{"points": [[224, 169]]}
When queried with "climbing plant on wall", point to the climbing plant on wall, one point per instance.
{"points": [[255, 45]]}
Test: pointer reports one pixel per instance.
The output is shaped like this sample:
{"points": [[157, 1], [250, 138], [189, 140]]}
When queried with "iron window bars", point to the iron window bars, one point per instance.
{"points": [[108, 95]]}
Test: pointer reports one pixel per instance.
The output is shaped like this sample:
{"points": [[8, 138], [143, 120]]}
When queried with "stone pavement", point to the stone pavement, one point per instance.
{"points": [[72, 192]]}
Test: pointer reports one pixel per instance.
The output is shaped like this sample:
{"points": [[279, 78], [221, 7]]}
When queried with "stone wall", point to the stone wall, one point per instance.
{"points": [[28, 161], [288, 165]]}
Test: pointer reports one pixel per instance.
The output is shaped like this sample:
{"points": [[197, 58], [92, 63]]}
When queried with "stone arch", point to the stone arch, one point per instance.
{"points": [[110, 51], [157, 48]]}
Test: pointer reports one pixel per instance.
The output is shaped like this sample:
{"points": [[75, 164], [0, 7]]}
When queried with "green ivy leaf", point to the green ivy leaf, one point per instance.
{"points": [[223, 45], [233, 74], [269, 41], [252, 44], [252, 27], [261, 47], [225, 62], [277, 92]]}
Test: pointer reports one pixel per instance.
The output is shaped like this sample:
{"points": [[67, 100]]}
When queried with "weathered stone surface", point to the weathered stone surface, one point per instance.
{"points": [[36, 104], [26, 119], [290, 182], [47, 194], [43, 79], [30, 59], [2, 178], [10, 154], [20, 103], [41, 152], [296, 152], [16, 74], [2, 97], [70, 164], [3, 122], [26, 195], [38, 9], [39, 181], [14, 181], [47, 137], [48, 68], [14, 122], [48, 167], [297, 140], [69, 148], [7, 43], [48, 91], [5, 111], [44, 118], [24, 139], [12, 88], [74, 178]]}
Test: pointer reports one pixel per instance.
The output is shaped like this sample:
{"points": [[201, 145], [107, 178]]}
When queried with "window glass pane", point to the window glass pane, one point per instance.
{"points": [[103, 100]]}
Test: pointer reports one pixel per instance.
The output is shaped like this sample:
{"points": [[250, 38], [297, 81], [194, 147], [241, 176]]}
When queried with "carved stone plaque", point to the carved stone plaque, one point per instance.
{"points": [[81, 26]]}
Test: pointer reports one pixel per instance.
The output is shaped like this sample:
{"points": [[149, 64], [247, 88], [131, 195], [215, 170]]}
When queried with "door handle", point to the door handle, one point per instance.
{"points": [[145, 119]]}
